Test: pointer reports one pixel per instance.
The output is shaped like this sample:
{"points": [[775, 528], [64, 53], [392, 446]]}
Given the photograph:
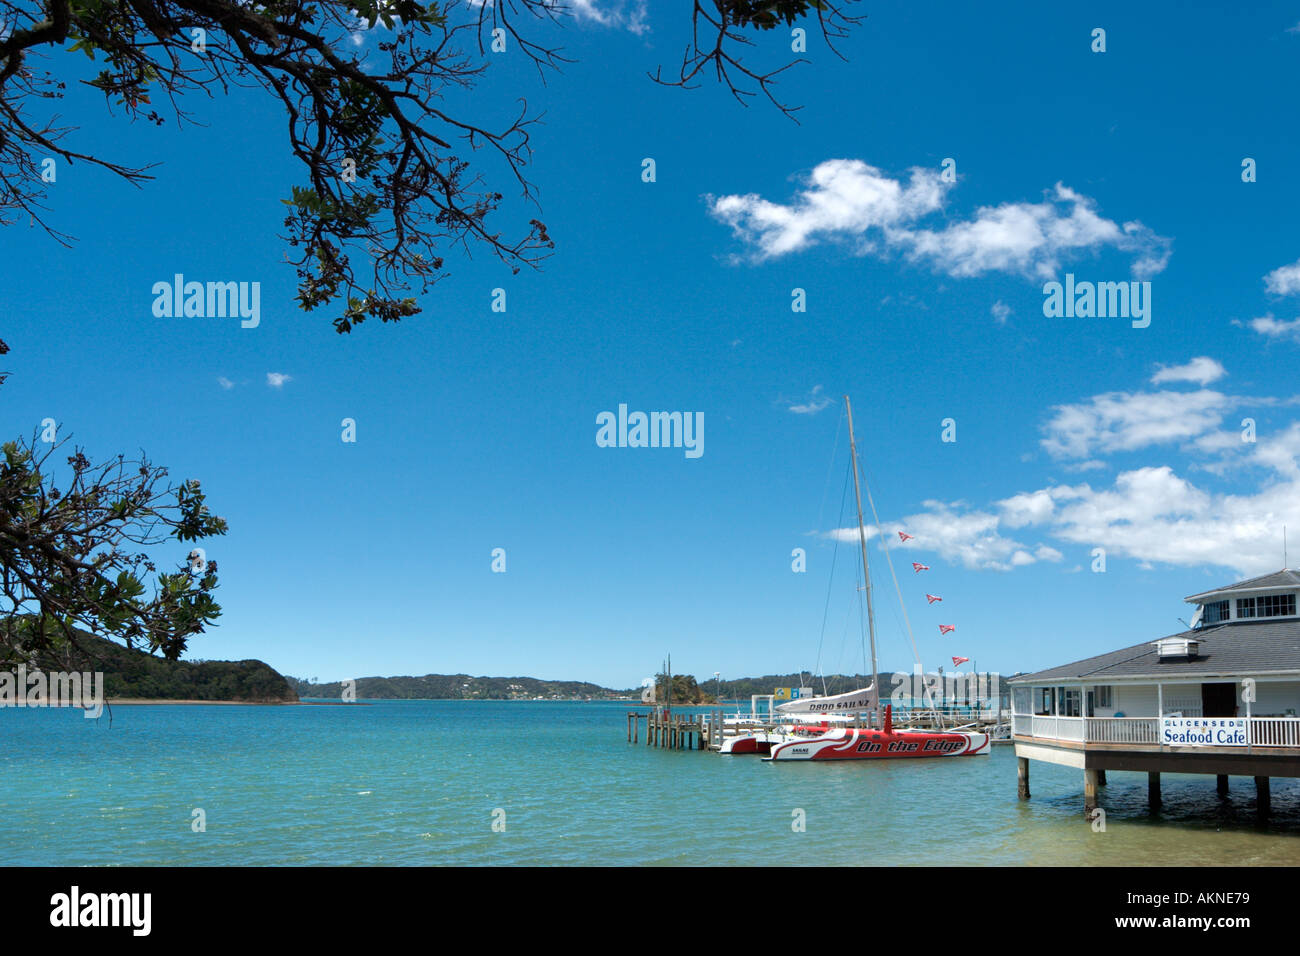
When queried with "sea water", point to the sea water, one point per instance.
{"points": [[487, 782]]}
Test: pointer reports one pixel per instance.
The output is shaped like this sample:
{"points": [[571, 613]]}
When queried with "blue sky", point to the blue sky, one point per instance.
{"points": [[476, 430]]}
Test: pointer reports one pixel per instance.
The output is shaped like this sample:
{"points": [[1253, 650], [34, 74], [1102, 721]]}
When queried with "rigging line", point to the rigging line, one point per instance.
{"points": [[830, 583], [929, 692], [830, 470], [862, 620], [838, 676]]}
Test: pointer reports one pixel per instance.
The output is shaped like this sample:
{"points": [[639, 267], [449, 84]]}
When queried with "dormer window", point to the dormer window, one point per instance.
{"points": [[1217, 612], [1275, 605]]}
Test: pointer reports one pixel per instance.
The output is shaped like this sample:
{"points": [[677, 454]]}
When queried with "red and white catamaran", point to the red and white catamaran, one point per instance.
{"points": [[877, 740]]}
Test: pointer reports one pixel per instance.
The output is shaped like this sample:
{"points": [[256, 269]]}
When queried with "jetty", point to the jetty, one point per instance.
{"points": [[705, 729]]}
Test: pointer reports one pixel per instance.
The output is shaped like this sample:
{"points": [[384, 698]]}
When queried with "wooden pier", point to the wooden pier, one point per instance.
{"points": [[676, 731]]}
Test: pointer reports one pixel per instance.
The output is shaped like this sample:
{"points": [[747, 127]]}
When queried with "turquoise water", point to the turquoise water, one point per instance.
{"points": [[416, 783]]}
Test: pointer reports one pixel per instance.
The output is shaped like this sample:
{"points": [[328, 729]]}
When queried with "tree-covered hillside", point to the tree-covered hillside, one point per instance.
{"points": [[133, 674], [459, 687]]}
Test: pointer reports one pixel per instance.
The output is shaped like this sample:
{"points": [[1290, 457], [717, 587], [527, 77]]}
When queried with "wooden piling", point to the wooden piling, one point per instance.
{"points": [[1089, 791], [1101, 778], [1263, 798], [1153, 789], [1022, 778], [1222, 784]]}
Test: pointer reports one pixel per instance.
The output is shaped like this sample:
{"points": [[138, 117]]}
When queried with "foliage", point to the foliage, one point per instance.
{"points": [[385, 155], [74, 558], [455, 687], [718, 42], [134, 674], [685, 689]]}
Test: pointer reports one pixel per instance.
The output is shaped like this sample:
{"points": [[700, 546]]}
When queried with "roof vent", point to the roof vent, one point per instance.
{"points": [[1177, 648]]}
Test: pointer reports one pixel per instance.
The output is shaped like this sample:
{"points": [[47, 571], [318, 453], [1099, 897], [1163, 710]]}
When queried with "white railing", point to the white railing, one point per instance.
{"points": [[1275, 731], [1262, 731], [1123, 730], [1057, 728]]}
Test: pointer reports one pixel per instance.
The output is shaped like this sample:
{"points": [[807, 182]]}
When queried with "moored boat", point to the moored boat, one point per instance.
{"points": [[867, 743], [878, 740]]}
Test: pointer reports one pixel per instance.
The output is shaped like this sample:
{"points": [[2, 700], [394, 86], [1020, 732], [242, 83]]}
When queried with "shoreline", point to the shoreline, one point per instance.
{"points": [[135, 701], [332, 702]]}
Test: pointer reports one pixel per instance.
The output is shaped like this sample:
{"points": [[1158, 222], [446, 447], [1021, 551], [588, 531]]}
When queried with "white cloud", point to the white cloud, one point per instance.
{"points": [[629, 15], [815, 402], [277, 379], [1092, 464], [1202, 370], [849, 201], [968, 538], [1126, 421], [1000, 311], [624, 14], [1275, 329], [1150, 514], [1032, 508], [225, 382], [844, 198], [1284, 280], [1033, 239]]}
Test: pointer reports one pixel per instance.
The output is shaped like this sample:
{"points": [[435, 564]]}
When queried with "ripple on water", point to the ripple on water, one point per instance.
{"points": [[280, 786]]}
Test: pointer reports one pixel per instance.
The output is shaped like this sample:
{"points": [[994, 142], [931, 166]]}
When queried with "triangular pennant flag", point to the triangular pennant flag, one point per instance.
{"points": [[932, 598], [947, 628], [958, 661], [919, 567], [905, 537]]}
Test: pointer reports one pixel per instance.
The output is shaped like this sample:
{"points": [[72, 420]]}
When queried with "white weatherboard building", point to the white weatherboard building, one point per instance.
{"points": [[1222, 698]]}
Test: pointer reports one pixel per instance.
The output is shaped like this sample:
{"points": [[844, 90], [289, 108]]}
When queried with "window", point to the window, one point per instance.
{"points": [[1103, 697], [1246, 607], [1044, 701], [1071, 701], [1022, 700], [1216, 612], [1276, 605]]}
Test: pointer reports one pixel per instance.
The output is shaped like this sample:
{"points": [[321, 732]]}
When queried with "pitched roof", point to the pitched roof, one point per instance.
{"points": [[1233, 648], [1278, 579]]}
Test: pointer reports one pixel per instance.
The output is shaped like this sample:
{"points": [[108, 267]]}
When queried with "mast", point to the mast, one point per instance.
{"points": [[862, 541]]}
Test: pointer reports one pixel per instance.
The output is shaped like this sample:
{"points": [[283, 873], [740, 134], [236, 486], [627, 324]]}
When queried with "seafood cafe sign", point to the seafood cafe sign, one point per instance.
{"points": [[1204, 732]]}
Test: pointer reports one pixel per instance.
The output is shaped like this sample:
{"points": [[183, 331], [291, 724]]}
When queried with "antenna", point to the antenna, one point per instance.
{"points": [[1285, 563]]}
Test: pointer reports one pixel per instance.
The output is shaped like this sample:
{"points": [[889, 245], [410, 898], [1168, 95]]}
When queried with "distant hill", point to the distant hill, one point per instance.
{"points": [[134, 674], [686, 688], [461, 687]]}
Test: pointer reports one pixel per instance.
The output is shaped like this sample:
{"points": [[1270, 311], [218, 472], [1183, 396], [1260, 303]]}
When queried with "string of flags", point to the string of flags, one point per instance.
{"points": [[933, 599]]}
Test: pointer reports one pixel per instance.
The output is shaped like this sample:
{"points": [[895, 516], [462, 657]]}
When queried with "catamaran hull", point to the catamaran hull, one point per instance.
{"points": [[852, 743], [745, 744], [760, 742]]}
